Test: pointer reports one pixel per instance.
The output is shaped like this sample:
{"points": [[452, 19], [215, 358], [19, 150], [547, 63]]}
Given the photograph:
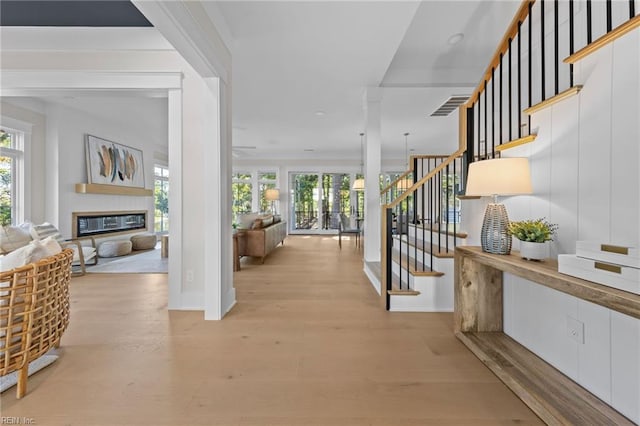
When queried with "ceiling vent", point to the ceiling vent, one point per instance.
{"points": [[450, 105]]}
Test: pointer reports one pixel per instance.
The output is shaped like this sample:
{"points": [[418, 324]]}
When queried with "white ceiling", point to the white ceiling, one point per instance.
{"points": [[292, 59]]}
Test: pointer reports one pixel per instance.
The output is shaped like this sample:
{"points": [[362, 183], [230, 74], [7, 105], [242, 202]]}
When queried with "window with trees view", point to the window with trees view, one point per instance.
{"points": [[11, 179], [241, 187], [266, 180], [161, 193]]}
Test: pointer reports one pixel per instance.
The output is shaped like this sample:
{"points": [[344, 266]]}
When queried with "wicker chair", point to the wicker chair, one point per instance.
{"points": [[34, 312]]}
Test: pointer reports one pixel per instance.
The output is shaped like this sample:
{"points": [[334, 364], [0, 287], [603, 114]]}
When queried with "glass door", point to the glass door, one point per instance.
{"points": [[318, 199], [305, 197]]}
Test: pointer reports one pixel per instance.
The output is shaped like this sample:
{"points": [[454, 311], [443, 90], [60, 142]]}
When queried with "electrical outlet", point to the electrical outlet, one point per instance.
{"points": [[575, 329], [189, 275]]}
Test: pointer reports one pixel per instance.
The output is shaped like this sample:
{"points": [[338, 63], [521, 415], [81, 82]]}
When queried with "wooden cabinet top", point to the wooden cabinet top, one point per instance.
{"points": [[546, 273]]}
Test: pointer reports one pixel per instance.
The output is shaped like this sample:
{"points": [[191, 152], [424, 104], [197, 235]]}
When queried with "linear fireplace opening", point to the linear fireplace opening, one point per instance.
{"points": [[90, 224]]}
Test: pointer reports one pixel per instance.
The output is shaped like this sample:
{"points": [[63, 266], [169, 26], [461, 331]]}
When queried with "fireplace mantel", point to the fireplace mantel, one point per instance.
{"points": [[97, 188]]}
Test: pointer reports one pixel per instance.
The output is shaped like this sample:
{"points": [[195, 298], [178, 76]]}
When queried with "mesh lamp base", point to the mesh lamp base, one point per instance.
{"points": [[494, 236]]}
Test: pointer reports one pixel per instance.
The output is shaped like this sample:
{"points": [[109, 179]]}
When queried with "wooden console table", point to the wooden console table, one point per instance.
{"points": [[554, 397]]}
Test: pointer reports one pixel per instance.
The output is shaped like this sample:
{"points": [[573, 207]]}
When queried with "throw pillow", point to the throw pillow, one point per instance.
{"points": [[267, 219], [51, 245], [40, 232], [257, 224], [246, 220], [17, 258], [14, 237]]}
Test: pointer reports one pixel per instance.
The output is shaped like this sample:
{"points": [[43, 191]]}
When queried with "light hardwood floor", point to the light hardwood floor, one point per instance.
{"points": [[306, 344]]}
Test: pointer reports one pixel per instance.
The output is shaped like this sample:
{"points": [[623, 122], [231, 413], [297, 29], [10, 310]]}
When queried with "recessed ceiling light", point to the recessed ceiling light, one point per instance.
{"points": [[455, 39], [320, 113]]}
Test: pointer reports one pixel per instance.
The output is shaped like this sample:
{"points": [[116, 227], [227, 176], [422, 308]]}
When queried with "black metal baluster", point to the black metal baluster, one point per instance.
{"points": [[589, 33], [530, 65], [423, 194], [486, 113], [406, 208], [470, 154], [519, 80], [432, 202], [632, 9], [493, 112], [500, 104], [609, 17], [542, 73], [509, 93], [480, 121], [556, 47], [455, 201], [389, 253], [447, 188], [439, 208], [571, 42]]}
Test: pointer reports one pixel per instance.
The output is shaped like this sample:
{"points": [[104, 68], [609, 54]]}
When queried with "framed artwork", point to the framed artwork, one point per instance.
{"points": [[111, 163]]}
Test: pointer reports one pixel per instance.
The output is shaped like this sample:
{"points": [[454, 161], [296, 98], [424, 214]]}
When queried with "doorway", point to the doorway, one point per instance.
{"points": [[318, 199]]}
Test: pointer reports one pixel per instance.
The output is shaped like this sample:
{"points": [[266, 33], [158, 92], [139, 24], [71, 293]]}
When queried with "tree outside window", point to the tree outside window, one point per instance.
{"points": [[11, 156], [266, 180], [241, 188], [161, 193]]}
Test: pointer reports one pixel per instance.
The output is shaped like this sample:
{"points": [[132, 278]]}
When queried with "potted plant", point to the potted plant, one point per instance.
{"points": [[533, 236]]}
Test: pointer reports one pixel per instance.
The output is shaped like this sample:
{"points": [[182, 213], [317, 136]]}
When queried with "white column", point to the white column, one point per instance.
{"points": [[218, 278], [174, 136], [372, 165]]}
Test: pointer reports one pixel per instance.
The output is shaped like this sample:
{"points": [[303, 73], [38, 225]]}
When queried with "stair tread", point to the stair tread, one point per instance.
{"points": [[395, 287], [420, 272], [436, 228], [420, 245]]}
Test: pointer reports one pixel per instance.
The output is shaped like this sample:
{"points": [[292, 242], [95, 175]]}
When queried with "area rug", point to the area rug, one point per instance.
{"points": [[34, 366], [147, 262]]}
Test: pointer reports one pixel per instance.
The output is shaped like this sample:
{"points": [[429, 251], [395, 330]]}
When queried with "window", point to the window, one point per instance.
{"points": [[266, 180], [241, 187], [11, 176], [161, 193]]}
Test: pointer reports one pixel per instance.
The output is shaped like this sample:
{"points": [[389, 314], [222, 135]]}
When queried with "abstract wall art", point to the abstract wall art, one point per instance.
{"points": [[111, 163]]}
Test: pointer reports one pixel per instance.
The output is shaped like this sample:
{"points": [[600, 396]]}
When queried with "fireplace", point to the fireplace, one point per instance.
{"points": [[91, 224]]}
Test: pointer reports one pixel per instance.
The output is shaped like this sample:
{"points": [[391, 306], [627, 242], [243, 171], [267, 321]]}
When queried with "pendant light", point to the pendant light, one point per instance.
{"points": [[358, 184], [407, 182]]}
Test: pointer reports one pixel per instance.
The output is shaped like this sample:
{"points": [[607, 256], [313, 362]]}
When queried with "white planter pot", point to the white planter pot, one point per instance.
{"points": [[534, 251]]}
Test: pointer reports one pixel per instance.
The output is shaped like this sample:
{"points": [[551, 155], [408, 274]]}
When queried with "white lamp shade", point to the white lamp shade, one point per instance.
{"points": [[272, 194], [500, 176], [358, 185]]}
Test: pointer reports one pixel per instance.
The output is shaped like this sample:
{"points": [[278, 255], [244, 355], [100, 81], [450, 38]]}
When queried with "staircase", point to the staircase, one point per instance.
{"points": [[421, 209], [420, 224]]}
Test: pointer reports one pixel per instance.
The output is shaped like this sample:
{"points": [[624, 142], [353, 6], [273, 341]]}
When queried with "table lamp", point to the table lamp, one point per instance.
{"points": [[500, 176], [272, 195]]}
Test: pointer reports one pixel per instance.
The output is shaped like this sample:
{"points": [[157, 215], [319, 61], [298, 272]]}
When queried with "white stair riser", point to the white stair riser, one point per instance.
{"points": [[437, 262], [396, 270], [436, 295], [434, 235]]}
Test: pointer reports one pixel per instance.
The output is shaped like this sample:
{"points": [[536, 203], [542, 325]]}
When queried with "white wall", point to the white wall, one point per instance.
{"points": [[191, 293], [585, 175], [60, 134]]}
